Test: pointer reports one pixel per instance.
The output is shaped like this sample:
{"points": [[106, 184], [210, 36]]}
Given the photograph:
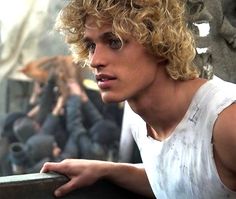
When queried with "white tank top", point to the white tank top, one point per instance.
{"points": [[182, 166]]}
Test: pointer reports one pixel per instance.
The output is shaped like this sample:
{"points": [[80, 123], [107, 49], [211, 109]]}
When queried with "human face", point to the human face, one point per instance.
{"points": [[122, 72]]}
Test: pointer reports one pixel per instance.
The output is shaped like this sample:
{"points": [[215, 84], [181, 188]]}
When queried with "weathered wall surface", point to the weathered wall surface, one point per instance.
{"points": [[220, 43]]}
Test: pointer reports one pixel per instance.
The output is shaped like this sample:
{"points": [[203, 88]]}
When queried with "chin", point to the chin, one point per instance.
{"points": [[111, 99]]}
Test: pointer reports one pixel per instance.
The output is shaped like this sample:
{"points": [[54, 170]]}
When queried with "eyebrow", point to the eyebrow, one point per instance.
{"points": [[102, 37]]}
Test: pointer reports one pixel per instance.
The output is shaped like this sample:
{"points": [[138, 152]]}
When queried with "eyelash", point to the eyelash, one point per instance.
{"points": [[90, 46], [114, 44]]}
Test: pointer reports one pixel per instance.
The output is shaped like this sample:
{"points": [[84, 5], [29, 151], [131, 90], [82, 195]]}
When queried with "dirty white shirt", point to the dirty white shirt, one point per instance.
{"points": [[182, 166]]}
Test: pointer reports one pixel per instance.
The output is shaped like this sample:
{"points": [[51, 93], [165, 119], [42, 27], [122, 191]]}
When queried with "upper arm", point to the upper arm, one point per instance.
{"points": [[224, 138]]}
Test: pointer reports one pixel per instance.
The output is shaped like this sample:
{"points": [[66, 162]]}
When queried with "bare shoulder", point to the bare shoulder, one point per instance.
{"points": [[224, 139]]}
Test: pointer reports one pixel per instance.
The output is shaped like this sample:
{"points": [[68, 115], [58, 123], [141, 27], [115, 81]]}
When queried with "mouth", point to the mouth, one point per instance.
{"points": [[105, 81], [104, 77]]}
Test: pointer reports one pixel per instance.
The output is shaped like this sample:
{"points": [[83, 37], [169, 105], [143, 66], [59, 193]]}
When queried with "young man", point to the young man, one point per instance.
{"points": [[141, 51]]}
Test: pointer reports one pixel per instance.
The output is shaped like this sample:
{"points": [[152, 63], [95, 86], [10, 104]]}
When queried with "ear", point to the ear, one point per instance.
{"points": [[162, 61]]}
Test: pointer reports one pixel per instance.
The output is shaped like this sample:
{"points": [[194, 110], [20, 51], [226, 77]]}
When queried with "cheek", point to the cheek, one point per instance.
{"points": [[137, 67], [141, 77]]}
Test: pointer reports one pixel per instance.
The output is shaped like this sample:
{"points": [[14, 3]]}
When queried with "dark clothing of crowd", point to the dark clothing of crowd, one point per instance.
{"points": [[88, 130]]}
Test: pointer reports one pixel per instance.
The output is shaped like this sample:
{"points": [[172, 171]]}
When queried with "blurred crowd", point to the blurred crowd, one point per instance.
{"points": [[65, 118]]}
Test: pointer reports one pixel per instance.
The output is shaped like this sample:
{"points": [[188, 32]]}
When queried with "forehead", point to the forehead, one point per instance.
{"points": [[95, 29], [92, 25]]}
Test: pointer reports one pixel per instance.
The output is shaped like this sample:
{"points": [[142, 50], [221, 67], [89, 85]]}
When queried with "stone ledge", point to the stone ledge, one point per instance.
{"points": [[42, 185]]}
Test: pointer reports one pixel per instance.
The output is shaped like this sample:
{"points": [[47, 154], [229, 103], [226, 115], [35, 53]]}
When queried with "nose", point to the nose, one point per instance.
{"points": [[98, 57]]}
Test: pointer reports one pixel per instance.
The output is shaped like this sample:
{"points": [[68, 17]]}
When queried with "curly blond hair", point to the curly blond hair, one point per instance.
{"points": [[159, 25]]}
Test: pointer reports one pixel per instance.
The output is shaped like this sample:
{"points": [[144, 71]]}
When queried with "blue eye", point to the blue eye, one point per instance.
{"points": [[90, 47], [115, 43]]}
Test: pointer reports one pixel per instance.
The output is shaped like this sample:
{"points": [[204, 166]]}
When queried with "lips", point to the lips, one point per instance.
{"points": [[104, 77], [105, 81]]}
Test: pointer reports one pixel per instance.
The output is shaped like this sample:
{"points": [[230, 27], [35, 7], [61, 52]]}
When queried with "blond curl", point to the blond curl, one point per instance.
{"points": [[159, 25]]}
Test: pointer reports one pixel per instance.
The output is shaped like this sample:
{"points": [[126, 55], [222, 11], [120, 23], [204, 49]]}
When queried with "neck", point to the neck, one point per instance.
{"points": [[165, 106]]}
